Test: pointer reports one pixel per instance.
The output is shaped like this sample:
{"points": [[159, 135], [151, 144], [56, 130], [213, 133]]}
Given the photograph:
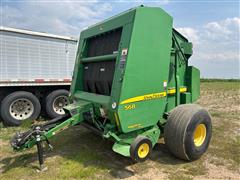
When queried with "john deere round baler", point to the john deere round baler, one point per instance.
{"points": [[132, 84]]}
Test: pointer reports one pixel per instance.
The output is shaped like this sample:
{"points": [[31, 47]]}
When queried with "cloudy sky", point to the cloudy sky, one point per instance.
{"points": [[212, 25]]}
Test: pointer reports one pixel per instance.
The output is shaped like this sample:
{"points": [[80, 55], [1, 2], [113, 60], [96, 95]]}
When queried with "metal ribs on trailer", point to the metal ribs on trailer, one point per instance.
{"points": [[28, 56]]}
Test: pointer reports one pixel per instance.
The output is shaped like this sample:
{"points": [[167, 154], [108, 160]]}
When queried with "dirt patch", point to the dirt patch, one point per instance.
{"points": [[153, 173], [218, 172]]}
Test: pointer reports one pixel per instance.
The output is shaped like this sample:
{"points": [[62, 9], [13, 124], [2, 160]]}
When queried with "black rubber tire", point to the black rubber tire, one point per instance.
{"points": [[9, 120], [179, 131], [50, 99], [135, 146]]}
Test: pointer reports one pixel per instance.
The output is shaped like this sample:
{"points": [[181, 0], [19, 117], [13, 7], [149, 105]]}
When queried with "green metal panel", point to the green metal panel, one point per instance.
{"points": [[123, 145], [146, 68], [119, 73], [185, 98], [178, 77], [193, 82], [100, 99], [187, 48], [100, 58]]}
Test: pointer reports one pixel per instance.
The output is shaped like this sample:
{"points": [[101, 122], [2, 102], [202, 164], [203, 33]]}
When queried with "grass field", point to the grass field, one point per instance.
{"points": [[78, 153]]}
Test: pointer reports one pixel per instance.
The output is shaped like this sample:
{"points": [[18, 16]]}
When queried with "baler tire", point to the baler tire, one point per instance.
{"points": [[50, 99], [136, 144], [11, 101], [182, 135]]}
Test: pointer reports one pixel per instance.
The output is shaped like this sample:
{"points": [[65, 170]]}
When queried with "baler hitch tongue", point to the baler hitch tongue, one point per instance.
{"points": [[37, 134], [19, 139]]}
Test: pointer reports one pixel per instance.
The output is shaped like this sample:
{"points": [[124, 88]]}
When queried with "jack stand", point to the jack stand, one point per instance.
{"points": [[40, 157], [40, 151]]}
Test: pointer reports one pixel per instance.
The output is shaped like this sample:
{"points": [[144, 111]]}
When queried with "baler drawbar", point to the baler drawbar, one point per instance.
{"points": [[132, 84]]}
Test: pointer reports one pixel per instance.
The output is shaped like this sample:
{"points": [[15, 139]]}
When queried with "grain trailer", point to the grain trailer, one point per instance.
{"points": [[35, 73]]}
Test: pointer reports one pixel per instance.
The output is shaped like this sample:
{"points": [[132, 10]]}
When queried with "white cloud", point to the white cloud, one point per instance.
{"points": [[216, 45], [227, 29], [67, 17], [220, 57]]}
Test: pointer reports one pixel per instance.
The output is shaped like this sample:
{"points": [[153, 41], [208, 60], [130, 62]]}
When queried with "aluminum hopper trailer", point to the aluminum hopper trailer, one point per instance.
{"points": [[35, 74]]}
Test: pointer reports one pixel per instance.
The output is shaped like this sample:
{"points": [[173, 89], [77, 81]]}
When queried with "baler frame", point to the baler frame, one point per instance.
{"points": [[115, 104]]}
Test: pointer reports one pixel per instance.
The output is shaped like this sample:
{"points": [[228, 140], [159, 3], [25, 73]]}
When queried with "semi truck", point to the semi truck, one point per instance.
{"points": [[35, 74]]}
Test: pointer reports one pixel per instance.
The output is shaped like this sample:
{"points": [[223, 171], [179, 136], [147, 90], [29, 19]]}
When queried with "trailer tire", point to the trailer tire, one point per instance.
{"points": [[53, 100], [140, 149], [19, 106], [188, 131]]}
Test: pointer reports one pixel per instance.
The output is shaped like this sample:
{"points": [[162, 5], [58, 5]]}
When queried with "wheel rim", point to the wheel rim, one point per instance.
{"points": [[21, 109], [143, 150], [58, 104], [200, 135]]}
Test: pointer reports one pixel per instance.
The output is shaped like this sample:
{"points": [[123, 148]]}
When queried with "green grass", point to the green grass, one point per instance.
{"points": [[225, 144], [79, 154]]}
